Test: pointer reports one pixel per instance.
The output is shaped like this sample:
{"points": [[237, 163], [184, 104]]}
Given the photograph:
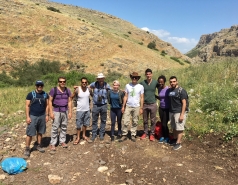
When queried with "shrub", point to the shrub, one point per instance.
{"points": [[120, 46], [141, 43], [53, 9], [177, 60], [152, 45], [187, 61], [129, 32], [148, 32], [126, 35], [163, 52], [102, 64]]}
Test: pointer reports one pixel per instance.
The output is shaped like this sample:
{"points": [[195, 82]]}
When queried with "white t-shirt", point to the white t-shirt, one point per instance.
{"points": [[83, 99], [134, 92]]}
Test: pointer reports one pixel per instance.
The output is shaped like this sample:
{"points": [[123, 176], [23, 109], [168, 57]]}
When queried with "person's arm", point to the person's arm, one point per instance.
{"points": [[124, 103], [181, 118], [28, 119], [141, 103], [70, 107], [51, 107]]}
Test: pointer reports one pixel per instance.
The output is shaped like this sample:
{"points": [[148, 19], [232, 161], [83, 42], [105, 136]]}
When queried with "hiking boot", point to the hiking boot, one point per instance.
{"points": [[118, 137], [27, 152], [177, 146], [40, 149], [101, 138], [166, 140], [152, 137], [64, 145], [161, 140], [92, 139], [133, 138], [123, 138], [144, 136], [172, 142]]}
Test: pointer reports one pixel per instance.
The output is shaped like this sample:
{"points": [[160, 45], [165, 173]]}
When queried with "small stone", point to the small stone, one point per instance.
{"points": [[123, 166], [128, 171], [179, 164], [164, 179], [2, 177], [54, 179], [82, 142], [190, 171], [24, 136], [86, 152], [102, 169], [12, 179], [218, 168], [129, 181], [111, 170], [47, 163], [101, 162], [8, 139], [23, 145], [77, 174]]}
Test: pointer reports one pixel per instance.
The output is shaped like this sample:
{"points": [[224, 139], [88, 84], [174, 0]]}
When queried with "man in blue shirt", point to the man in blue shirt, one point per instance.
{"points": [[100, 89], [37, 114]]}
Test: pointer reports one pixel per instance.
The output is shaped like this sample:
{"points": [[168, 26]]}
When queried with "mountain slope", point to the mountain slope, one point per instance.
{"points": [[216, 45], [78, 38]]}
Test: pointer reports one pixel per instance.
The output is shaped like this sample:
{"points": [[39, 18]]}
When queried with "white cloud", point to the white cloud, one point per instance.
{"points": [[158, 33], [183, 44]]}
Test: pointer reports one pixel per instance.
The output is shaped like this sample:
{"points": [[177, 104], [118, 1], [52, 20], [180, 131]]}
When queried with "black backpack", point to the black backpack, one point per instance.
{"points": [[187, 101]]}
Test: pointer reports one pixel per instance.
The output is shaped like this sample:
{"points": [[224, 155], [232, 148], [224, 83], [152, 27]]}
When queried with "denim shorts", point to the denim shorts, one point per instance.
{"points": [[82, 119], [37, 124]]}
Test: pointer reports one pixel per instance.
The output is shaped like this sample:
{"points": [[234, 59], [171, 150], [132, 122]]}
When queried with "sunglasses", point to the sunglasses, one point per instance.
{"points": [[62, 81], [38, 85], [135, 77], [84, 82]]}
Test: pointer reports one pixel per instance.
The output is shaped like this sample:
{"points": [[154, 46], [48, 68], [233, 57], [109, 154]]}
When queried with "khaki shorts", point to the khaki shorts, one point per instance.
{"points": [[174, 121]]}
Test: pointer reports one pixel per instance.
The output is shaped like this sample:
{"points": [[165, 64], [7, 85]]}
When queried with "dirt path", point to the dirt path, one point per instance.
{"points": [[198, 162]]}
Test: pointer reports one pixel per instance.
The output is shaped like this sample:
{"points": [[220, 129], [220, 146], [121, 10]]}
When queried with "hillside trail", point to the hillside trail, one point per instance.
{"points": [[207, 161]]}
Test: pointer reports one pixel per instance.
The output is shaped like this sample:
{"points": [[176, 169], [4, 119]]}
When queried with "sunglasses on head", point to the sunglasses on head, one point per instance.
{"points": [[135, 77], [62, 81]]}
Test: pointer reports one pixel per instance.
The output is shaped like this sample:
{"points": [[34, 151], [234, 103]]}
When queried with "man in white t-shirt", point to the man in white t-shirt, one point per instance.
{"points": [[132, 106], [83, 110]]}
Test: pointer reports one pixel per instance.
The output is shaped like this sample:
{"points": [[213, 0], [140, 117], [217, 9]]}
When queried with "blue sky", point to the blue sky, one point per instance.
{"points": [[180, 22]]}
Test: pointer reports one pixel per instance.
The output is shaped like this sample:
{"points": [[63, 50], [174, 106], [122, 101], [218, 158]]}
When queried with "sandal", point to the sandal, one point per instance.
{"points": [[52, 147], [76, 142], [64, 145], [87, 139]]}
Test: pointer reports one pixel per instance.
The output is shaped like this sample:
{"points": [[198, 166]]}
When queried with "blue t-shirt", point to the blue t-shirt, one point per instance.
{"points": [[38, 105], [115, 101], [100, 93]]}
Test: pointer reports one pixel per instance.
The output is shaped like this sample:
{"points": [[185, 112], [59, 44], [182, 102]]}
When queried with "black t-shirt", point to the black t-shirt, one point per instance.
{"points": [[37, 107], [175, 100]]}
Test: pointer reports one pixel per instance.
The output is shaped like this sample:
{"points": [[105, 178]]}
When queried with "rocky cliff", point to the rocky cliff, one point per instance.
{"points": [[38, 29], [217, 45]]}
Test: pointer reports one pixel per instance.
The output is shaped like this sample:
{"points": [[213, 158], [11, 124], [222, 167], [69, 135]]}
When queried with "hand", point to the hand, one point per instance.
{"points": [[46, 118], [70, 115], [52, 116], [28, 120], [141, 111], [122, 110], [181, 118]]}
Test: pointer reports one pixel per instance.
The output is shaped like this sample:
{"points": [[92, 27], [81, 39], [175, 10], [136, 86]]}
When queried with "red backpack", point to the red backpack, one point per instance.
{"points": [[158, 130]]}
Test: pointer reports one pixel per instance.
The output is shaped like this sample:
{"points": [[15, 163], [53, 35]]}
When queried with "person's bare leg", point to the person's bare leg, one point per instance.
{"points": [[39, 138], [84, 132], [28, 141], [180, 135]]}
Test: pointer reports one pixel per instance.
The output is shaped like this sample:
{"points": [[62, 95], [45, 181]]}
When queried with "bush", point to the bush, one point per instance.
{"points": [[177, 60], [129, 32], [126, 35], [141, 43], [120, 46], [152, 45], [53, 9]]}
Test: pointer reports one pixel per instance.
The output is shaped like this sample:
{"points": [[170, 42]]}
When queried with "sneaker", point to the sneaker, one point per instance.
{"points": [[161, 140], [92, 139], [133, 138], [40, 149], [152, 137], [166, 140], [177, 146], [144, 136], [27, 152], [112, 138], [101, 138], [123, 138], [172, 142], [64, 145]]}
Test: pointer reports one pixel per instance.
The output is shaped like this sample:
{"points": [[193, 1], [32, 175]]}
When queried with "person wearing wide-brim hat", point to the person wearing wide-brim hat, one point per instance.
{"points": [[132, 106], [100, 88]]}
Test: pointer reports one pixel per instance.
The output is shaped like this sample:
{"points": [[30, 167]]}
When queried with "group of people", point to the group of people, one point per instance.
{"points": [[125, 105]]}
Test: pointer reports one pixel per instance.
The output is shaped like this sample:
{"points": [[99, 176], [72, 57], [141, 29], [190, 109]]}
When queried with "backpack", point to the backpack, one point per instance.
{"points": [[179, 95], [34, 96], [158, 130], [121, 94], [98, 87], [55, 93]]}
